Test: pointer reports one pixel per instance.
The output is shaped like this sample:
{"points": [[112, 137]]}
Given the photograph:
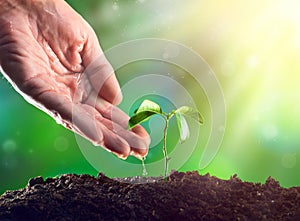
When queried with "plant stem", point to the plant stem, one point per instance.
{"points": [[165, 146]]}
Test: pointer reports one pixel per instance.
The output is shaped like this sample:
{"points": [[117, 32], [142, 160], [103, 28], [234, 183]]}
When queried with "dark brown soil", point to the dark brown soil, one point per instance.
{"points": [[183, 196]]}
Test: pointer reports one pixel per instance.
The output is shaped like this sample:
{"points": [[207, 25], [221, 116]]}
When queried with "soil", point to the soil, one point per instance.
{"points": [[183, 196]]}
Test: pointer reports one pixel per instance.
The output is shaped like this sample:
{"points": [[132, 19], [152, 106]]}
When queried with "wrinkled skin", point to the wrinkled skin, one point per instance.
{"points": [[52, 57]]}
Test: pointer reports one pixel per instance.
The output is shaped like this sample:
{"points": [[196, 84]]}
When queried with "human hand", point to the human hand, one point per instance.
{"points": [[52, 57]]}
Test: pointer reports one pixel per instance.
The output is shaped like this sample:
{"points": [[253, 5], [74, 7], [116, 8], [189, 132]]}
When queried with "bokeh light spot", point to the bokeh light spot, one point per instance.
{"points": [[115, 6], [61, 144], [269, 131], [9, 146]]}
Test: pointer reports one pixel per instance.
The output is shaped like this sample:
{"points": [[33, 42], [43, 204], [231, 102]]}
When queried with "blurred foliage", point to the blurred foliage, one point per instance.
{"points": [[253, 48]]}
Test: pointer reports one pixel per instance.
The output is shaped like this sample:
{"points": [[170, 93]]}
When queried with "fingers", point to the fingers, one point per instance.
{"points": [[110, 140], [138, 139], [141, 132], [116, 143], [89, 122], [100, 71], [108, 110], [111, 90], [71, 116], [80, 118], [117, 121]]}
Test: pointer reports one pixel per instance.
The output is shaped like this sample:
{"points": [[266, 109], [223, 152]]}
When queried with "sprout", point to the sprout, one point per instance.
{"points": [[149, 108]]}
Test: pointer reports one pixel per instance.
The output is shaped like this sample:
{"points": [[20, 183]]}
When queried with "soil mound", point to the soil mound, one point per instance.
{"points": [[183, 196]]}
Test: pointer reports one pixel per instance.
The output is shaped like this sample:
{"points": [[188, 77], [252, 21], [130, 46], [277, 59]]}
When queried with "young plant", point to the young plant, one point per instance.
{"points": [[149, 108]]}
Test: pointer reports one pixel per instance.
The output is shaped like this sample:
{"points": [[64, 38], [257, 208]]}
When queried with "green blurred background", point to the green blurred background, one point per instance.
{"points": [[253, 48]]}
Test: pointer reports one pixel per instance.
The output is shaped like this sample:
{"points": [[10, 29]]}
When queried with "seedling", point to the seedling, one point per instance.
{"points": [[149, 108]]}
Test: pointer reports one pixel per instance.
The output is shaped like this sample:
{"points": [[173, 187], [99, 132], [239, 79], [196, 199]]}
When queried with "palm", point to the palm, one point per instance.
{"points": [[45, 55]]}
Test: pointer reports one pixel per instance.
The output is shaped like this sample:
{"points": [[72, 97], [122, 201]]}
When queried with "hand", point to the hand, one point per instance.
{"points": [[53, 59]]}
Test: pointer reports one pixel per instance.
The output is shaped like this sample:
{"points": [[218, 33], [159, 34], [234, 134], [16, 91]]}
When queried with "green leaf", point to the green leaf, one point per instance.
{"points": [[148, 105], [144, 112], [190, 112], [183, 127], [139, 118]]}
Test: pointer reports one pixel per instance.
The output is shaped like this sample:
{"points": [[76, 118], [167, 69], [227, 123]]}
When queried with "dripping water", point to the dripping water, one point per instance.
{"points": [[144, 167]]}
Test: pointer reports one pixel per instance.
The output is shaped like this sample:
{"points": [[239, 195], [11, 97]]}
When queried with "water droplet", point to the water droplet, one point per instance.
{"points": [[145, 173], [9, 146]]}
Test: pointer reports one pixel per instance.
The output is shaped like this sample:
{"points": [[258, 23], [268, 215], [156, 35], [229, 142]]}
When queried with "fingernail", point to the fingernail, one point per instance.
{"points": [[121, 156], [133, 153], [78, 68]]}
